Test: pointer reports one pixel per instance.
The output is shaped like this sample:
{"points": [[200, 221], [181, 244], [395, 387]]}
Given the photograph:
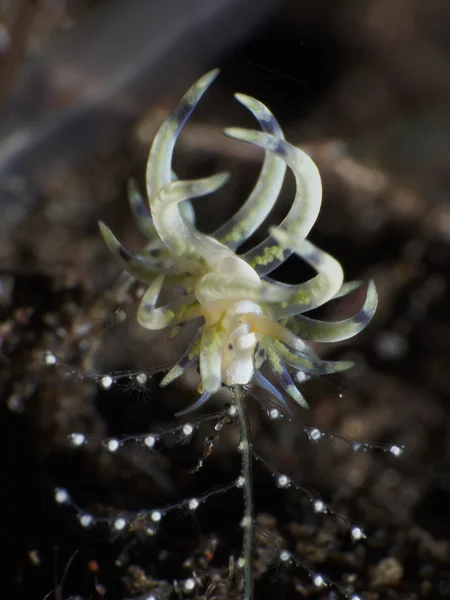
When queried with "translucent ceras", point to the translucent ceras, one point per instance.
{"points": [[245, 318]]}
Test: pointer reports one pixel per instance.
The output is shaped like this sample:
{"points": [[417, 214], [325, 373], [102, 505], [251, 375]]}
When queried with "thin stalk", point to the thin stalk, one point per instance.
{"points": [[247, 522]]}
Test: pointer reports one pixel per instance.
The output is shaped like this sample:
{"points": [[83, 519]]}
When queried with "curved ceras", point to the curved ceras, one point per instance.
{"points": [[247, 318]]}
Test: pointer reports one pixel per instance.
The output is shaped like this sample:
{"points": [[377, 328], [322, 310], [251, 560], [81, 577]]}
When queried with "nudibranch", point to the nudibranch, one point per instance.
{"points": [[245, 318]]}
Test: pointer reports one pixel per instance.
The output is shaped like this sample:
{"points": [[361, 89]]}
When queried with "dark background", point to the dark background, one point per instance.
{"points": [[364, 87]]}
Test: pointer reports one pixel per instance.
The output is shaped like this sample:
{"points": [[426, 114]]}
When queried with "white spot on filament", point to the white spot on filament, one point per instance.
{"points": [[246, 522], [318, 580], [274, 413], [241, 562], [150, 441], [315, 434], [106, 382], [189, 584], [113, 445], [319, 506], [141, 378], [86, 520], [285, 555], [240, 481], [188, 429], [396, 450], [156, 516], [77, 439], [61, 495], [193, 503], [283, 481], [301, 377], [50, 358], [357, 533], [119, 524]]}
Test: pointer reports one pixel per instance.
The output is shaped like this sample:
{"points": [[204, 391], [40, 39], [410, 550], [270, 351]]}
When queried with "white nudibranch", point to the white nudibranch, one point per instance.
{"points": [[247, 319]]}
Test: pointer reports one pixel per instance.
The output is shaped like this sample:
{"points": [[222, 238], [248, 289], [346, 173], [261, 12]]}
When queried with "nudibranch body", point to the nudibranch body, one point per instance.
{"points": [[247, 319]]}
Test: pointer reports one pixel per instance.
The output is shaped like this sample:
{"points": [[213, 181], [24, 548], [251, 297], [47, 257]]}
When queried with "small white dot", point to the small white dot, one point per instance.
{"points": [[113, 445], [188, 429], [396, 450], [189, 585], [232, 411], [357, 533], [106, 382], [301, 377], [150, 531], [315, 434], [150, 441], [285, 555], [156, 516], [319, 506], [241, 562], [318, 580], [283, 481], [86, 520], [119, 524], [77, 439], [50, 358], [193, 503], [274, 413], [61, 495], [246, 522], [240, 481], [141, 378]]}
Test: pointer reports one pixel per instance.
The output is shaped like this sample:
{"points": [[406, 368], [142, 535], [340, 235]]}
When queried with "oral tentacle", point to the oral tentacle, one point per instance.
{"points": [[159, 164], [189, 358], [138, 268], [284, 378], [197, 404], [181, 310], [337, 331], [309, 364], [265, 384], [141, 213], [321, 288], [305, 208], [176, 231], [211, 358], [265, 193], [191, 250]]}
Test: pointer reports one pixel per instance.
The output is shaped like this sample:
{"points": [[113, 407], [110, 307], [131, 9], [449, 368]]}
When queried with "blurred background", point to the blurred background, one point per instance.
{"points": [[363, 86]]}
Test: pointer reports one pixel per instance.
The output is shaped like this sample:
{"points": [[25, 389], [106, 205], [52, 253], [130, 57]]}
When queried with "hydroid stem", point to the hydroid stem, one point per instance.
{"points": [[247, 522]]}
